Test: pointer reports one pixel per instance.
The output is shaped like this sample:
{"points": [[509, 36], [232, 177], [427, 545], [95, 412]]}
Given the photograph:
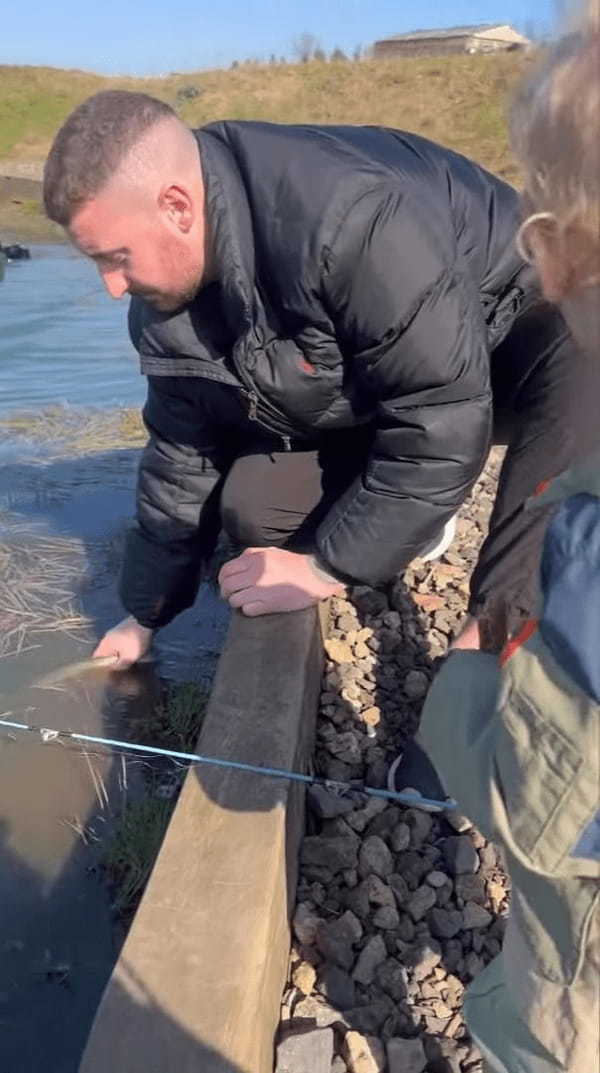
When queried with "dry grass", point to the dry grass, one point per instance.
{"points": [[37, 575], [458, 100]]}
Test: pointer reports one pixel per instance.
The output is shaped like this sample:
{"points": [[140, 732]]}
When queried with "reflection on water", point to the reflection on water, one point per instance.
{"points": [[62, 522]]}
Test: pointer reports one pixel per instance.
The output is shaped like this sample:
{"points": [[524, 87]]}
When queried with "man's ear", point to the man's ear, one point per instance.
{"points": [[176, 204]]}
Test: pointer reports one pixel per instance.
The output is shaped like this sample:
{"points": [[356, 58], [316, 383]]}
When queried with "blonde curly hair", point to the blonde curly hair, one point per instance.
{"points": [[556, 134]]}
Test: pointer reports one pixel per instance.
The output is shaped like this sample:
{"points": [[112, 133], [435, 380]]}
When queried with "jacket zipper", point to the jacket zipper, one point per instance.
{"points": [[253, 416]]}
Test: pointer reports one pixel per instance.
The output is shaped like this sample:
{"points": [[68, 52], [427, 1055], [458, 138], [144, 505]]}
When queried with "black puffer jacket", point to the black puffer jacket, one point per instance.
{"points": [[364, 275]]}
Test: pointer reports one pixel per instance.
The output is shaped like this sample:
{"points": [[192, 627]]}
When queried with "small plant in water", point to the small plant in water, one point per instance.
{"points": [[174, 723], [131, 854]]}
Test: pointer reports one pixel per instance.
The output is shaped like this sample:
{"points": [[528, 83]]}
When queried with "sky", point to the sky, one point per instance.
{"points": [[153, 37]]}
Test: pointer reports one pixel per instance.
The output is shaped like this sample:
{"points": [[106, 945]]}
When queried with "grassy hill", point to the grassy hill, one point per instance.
{"points": [[458, 100]]}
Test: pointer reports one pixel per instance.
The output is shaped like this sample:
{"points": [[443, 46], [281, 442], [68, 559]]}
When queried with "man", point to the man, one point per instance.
{"points": [[333, 321], [517, 739]]}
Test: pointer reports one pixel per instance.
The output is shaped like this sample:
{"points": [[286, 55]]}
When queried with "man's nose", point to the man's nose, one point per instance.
{"points": [[115, 283]]}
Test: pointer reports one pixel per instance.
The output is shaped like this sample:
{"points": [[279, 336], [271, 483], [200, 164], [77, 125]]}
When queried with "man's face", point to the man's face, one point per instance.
{"points": [[140, 248]]}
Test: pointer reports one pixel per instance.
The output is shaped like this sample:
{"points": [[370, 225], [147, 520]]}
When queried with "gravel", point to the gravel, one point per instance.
{"points": [[397, 910]]}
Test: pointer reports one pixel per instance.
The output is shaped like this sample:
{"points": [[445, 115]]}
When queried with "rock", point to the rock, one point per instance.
{"points": [[371, 716], [338, 651], [350, 877], [457, 821], [406, 929], [406, 1056], [454, 988], [375, 858], [337, 987], [412, 866], [304, 978], [460, 855], [440, 1010], [338, 1065], [399, 887], [346, 747], [497, 894], [416, 684], [471, 888], [384, 824], [357, 901], [336, 938], [421, 902], [315, 1009], [492, 946], [369, 1020], [475, 916], [326, 805], [359, 819], [305, 924], [369, 601], [333, 854], [363, 1054], [420, 824], [437, 880], [423, 958], [445, 923], [378, 892], [372, 955], [474, 964], [400, 839], [442, 1055], [311, 1050], [489, 857], [452, 954], [392, 977], [387, 918]]}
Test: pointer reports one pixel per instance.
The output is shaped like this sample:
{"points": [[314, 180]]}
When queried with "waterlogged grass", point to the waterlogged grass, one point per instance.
{"points": [[69, 431], [130, 855], [176, 720], [447, 99]]}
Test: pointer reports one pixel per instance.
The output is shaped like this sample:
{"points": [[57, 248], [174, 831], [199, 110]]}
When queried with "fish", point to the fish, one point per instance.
{"points": [[74, 670]]}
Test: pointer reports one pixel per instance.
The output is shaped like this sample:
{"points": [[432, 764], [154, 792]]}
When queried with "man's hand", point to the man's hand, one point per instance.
{"points": [[264, 580], [127, 640]]}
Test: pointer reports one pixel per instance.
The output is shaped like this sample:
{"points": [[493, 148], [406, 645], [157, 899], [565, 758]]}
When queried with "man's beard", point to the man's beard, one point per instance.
{"points": [[168, 301]]}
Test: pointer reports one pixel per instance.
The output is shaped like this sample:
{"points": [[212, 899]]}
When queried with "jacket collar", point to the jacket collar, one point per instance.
{"points": [[230, 225]]}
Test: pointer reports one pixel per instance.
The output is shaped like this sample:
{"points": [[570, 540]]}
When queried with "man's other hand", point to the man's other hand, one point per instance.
{"points": [[128, 640], [264, 580]]}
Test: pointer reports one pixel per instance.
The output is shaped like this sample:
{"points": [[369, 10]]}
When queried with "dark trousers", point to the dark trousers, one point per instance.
{"points": [[546, 410]]}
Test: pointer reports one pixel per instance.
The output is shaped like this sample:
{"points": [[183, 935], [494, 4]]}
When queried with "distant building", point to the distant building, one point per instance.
{"points": [[455, 39]]}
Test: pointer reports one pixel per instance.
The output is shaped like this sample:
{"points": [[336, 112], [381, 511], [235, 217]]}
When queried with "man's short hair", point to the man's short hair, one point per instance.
{"points": [[91, 145]]}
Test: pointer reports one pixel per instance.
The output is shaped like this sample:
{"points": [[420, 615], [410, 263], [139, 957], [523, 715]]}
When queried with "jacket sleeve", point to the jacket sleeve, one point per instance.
{"points": [[177, 513], [409, 321]]}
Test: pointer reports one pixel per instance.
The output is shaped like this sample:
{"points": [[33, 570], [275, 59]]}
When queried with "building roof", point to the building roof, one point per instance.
{"points": [[449, 31]]}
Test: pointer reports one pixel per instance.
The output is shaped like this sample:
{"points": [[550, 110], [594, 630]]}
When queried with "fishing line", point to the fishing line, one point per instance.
{"points": [[50, 735]]}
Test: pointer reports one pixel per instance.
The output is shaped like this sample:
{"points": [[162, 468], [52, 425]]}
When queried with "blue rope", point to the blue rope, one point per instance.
{"points": [[48, 735]]}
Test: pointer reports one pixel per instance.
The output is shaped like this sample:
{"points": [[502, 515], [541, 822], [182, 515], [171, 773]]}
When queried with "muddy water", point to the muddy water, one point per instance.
{"points": [[63, 516]]}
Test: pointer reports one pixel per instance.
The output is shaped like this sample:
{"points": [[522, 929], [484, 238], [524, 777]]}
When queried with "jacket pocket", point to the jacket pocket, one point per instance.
{"points": [[537, 767]]}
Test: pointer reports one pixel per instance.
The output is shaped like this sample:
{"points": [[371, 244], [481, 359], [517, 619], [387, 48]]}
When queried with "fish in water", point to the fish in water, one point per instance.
{"points": [[74, 670]]}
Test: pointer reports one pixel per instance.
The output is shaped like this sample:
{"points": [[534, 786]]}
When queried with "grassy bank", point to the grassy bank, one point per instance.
{"points": [[458, 100]]}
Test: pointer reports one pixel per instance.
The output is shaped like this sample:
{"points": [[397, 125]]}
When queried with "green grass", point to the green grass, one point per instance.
{"points": [[176, 720], [130, 855]]}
